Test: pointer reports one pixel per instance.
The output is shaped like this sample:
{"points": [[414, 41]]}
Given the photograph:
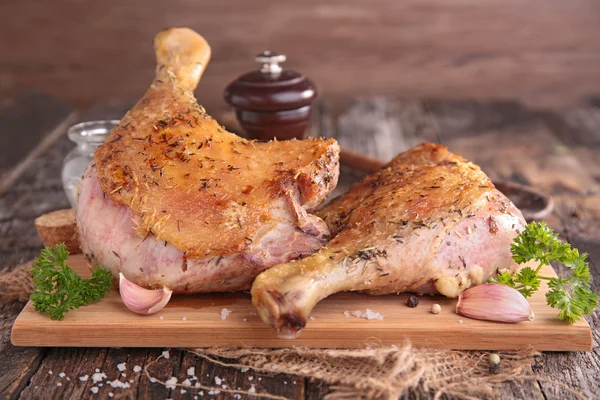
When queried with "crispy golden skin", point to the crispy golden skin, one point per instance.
{"points": [[193, 184], [428, 222]]}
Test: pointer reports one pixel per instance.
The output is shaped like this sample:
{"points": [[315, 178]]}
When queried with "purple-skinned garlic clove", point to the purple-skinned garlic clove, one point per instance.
{"points": [[494, 302], [140, 300]]}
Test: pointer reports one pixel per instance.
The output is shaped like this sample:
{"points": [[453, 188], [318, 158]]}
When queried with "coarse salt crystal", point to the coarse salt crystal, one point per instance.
{"points": [[259, 378], [460, 321], [252, 389], [153, 380], [311, 318], [197, 385], [372, 315], [166, 354], [94, 389], [101, 384], [186, 382], [274, 367], [224, 386], [123, 374], [59, 384], [131, 381], [69, 379], [368, 314], [110, 394], [225, 313], [184, 319], [49, 372], [250, 378], [98, 376], [245, 319], [62, 374], [171, 383], [191, 371], [218, 380], [137, 368], [245, 369], [161, 317], [121, 367], [97, 370], [183, 391]]}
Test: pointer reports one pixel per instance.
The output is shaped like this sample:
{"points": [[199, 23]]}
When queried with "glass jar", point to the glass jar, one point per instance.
{"points": [[87, 136]]}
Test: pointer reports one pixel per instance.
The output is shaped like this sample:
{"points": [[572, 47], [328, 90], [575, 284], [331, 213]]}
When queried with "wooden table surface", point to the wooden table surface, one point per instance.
{"points": [[555, 150]]}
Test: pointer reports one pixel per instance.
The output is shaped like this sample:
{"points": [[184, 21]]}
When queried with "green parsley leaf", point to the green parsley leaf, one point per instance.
{"points": [[505, 278], [529, 281], [59, 289], [572, 295]]}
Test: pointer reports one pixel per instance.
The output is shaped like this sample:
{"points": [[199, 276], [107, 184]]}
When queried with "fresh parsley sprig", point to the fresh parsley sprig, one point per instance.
{"points": [[572, 295], [59, 289]]}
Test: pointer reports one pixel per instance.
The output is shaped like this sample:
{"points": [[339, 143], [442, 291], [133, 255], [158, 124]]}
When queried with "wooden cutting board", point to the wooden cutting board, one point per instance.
{"points": [[195, 321]]}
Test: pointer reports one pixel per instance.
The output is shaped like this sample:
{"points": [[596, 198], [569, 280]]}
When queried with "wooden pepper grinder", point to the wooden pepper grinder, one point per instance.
{"points": [[272, 102]]}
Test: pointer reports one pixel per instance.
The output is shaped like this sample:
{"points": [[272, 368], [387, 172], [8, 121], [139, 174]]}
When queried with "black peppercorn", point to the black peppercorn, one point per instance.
{"points": [[412, 301]]}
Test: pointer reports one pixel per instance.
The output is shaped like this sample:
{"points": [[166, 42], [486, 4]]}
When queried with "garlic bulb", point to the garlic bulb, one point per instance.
{"points": [[140, 300], [494, 302]]}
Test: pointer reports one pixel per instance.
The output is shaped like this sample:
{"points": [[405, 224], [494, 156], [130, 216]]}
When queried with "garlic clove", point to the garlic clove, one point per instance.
{"points": [[141, 300], [494, 302]]}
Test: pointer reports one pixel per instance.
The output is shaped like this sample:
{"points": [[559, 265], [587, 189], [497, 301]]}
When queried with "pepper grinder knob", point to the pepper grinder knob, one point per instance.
{"points": [[272, 102], [270, 61]]}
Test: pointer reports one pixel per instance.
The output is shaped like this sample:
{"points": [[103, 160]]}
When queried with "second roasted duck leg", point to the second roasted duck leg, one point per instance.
{"points": [[428, 222]]}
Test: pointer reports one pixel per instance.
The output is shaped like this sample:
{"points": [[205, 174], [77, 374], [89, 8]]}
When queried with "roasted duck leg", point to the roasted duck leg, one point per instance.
{"points": [[175, 200], [428, 222]]}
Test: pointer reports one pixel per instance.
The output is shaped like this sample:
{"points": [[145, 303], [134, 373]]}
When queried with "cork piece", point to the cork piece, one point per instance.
{"points": [[59, 227]]}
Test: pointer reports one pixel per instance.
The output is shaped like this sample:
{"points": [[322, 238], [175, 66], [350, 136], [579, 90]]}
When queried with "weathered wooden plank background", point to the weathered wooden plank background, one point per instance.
{"points": [[543, 52]]}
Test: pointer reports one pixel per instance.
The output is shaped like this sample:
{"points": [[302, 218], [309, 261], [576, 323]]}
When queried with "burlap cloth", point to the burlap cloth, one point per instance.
{"points": [[375, 372]]}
